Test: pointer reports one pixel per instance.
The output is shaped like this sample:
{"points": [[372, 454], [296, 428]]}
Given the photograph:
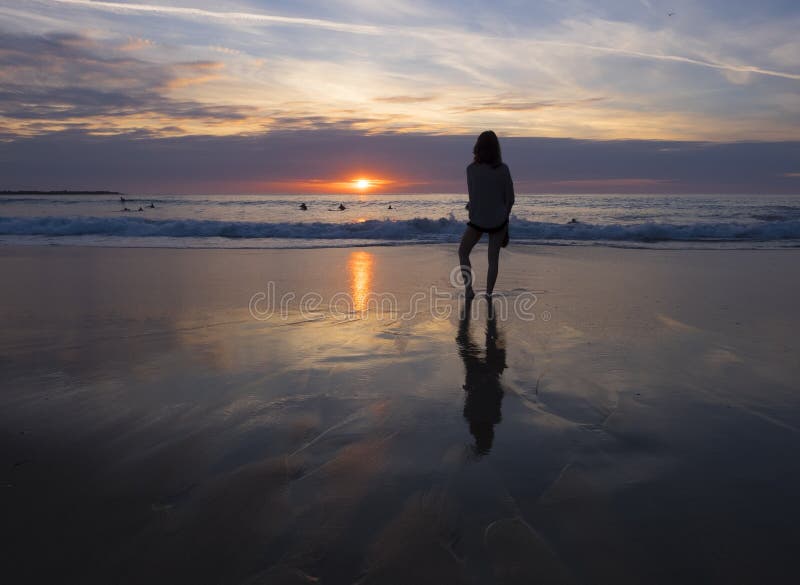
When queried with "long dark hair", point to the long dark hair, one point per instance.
{"points": [[487, 149]]}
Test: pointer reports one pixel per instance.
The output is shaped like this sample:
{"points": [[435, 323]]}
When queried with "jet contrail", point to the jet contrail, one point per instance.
{"points": [[271, 19], [228, 16], [676, 58]]}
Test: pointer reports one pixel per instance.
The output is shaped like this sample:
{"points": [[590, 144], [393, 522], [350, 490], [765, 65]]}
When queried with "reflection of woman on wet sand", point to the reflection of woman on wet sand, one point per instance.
{"points": [[484, 393]]}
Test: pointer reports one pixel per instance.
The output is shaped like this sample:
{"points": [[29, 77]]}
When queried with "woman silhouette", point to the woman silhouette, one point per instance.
{"points": [[491, 196]]}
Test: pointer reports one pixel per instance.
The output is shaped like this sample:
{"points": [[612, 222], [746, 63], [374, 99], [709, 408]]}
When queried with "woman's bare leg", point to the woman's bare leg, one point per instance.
{"points": [[468, 241], [495, 243]]}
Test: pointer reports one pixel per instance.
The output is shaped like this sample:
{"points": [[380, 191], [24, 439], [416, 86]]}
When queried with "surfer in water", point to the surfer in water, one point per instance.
{"points": [[491, 197]]}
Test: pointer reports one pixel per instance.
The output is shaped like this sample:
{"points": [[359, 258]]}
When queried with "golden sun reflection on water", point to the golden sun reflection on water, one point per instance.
{"points": [[360, 266]]}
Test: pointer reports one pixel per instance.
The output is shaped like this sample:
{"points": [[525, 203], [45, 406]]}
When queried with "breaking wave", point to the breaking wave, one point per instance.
{"points": [[417, 230]]}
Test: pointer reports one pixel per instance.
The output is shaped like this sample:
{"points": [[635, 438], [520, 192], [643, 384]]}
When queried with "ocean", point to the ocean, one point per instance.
{"points": [[276, 221]]}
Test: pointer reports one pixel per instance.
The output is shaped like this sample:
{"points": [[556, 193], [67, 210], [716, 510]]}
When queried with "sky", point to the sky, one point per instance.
{"points": [[257, 96]]}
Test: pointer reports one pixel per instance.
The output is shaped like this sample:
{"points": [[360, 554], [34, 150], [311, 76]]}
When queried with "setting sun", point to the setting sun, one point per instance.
{"points": [[362, 184]]}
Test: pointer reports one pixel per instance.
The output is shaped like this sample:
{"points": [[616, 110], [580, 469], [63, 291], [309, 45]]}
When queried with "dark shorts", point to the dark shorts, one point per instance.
{"points": [[484, 230]]}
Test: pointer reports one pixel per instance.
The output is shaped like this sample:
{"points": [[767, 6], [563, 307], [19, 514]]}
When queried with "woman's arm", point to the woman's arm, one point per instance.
{"points": [[469, 187], [508, 194]]}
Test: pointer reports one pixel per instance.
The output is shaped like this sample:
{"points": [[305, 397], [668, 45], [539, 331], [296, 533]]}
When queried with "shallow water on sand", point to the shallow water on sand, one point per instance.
{"points": [[642, 428]]}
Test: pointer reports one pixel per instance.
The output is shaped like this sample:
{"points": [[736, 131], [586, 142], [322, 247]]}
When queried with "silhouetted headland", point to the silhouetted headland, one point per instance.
{"points": [[60, 193]]}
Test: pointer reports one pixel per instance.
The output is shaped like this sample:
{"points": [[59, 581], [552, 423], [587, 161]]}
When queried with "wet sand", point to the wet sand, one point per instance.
{"points": [[639, 423]]}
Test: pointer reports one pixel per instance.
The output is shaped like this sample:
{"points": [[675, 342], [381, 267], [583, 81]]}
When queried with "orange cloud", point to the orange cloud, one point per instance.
{"points": [[619, 182], [194, 73]]}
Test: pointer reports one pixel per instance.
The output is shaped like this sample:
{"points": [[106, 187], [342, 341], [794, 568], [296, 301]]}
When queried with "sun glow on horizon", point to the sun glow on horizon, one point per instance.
{"points": [[360, 185], [365, 184]]}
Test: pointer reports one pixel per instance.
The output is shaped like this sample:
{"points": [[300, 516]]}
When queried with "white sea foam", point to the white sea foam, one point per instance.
{"points": [[416, 230]]}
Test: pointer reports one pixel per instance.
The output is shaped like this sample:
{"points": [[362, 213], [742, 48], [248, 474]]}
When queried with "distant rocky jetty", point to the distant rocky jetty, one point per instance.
{"points": [[60, 193]]}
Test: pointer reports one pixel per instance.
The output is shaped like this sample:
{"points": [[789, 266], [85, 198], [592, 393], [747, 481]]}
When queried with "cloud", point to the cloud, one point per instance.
{"points": [[520, 69], [730, 67], [276, 161], [57, 81], [63, 81], [136, 44], [425, 33], [194, 73], [519, 104], [403, 99], [614, 183], [393, 9], [225, 50]]}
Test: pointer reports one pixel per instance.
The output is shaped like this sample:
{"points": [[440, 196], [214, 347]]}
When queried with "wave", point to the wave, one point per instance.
{"points": [[420, 230]]}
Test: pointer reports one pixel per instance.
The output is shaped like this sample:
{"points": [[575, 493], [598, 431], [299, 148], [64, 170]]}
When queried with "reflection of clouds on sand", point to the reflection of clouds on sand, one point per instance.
{"points": [[400, 338], [332, 485], [720, 356], [418, 544], [674, 324]]}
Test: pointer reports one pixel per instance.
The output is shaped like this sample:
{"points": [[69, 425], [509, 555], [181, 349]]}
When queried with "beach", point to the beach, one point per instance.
{"points": [[621, 416], [237, 346]]}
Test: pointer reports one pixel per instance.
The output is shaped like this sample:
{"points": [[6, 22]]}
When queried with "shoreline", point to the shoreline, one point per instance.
{"points": [[699, 246]]}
